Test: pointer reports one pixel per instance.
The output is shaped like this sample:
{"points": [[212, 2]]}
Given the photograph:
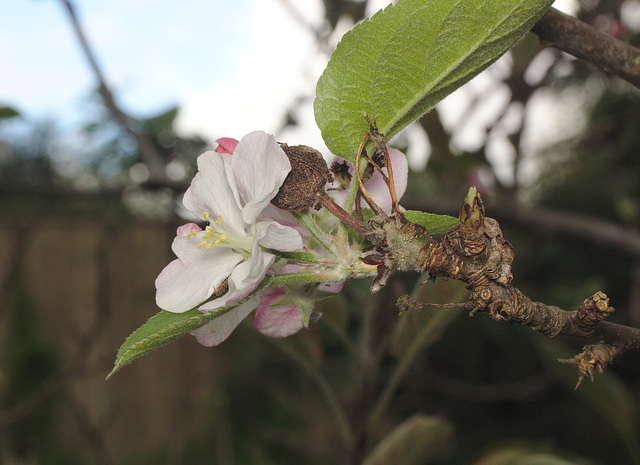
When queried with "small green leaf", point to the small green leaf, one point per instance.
{"points": [[160, 122], [397, 65], [8, 112], [166, 327], [415, 441], [435, 224]]}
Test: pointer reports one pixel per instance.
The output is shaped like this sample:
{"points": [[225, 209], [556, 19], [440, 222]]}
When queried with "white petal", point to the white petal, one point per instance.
{"points": [[276, 236], [219, 329], [213, 190], [248, 274], [191, 279], [400, 167], [273, 213], [259, 167]]}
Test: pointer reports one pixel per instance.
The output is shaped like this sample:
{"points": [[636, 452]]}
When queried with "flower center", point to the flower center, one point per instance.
{"points": [[216, 235]]}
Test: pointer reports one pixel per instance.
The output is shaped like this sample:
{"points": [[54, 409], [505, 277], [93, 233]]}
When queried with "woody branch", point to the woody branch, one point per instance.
{"points": [[476, 253]]}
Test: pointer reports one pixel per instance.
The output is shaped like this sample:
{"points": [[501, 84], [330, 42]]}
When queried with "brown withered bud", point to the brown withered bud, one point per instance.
{"points": [[308, 176], [340, 171]]}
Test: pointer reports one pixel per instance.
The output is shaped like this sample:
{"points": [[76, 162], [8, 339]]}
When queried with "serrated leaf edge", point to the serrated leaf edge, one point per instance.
{"points": [[127, 354]]}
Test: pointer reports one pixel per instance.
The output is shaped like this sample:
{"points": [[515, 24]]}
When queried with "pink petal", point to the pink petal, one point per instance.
{"points": [[274, 320], [291, 268], [226, 147], [376, 187], [187, 229]]}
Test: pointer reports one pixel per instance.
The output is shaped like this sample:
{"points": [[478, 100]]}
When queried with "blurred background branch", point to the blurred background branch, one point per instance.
{"points": [[573, 36], [148, 152]]}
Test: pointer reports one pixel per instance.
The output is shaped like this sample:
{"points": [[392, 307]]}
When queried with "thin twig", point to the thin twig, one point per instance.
{"points": [[148, 152], [577, 38], [365, 195], [342, 422]]}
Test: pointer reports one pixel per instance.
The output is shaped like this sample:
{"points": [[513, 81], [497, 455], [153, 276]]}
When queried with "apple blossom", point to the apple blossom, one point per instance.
{"points": [[283, 312], [230, 196], [278, 320]]}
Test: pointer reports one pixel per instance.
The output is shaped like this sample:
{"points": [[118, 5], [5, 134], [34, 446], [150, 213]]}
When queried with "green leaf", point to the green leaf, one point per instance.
{"points": [[160, 122], [166, 327], [415, 441], [8, 112], [401, 62], [435, 224]]}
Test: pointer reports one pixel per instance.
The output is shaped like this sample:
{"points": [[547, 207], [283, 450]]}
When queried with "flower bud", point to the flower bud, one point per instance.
{"points": [[308, 176], [472, 211]]}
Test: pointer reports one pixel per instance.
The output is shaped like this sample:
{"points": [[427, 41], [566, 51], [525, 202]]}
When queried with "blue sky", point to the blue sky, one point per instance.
{"points": [[232, 66], [224, 62]]}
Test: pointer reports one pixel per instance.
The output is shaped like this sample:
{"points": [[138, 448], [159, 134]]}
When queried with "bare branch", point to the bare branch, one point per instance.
{"points": [[577, 38], [476, 253], [553, 223], [148, 152]]}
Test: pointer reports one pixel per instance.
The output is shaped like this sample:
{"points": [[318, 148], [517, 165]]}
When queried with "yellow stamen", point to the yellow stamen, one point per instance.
{"points": [[205, 215]]}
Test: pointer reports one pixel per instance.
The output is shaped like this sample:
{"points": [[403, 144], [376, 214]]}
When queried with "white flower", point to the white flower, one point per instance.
{"points": [[230, 196]]}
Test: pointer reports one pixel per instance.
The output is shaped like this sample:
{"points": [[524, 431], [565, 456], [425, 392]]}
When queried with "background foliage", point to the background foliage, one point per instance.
{"points": [[479, 392]]}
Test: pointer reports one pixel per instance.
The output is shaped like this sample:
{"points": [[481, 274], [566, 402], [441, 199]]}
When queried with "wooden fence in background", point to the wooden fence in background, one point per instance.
{"points": [[87, 282]]}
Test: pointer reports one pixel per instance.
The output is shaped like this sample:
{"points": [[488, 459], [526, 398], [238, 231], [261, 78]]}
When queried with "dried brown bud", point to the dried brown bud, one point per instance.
{"points": [[308, 176]]}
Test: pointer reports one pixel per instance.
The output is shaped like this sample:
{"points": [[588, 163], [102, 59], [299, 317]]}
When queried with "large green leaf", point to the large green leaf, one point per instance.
{"points": [[166, 327], [401, 62]]}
